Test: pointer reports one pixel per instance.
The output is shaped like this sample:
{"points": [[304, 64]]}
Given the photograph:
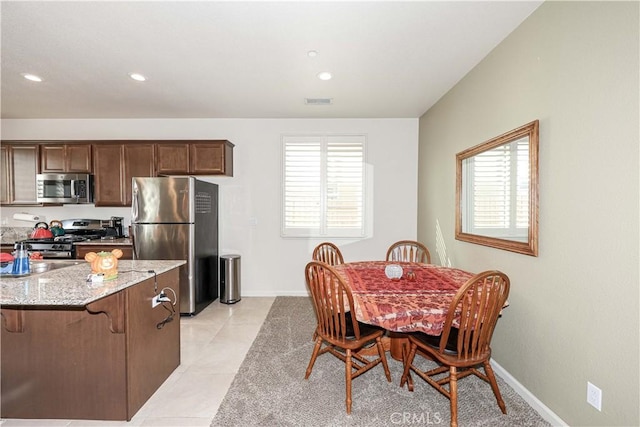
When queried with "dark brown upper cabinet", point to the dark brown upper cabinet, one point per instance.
{"points": [[114, 165], [204, 157], [172, 158], [112, 162], [62, 158], [138, 160], [19, 164]]}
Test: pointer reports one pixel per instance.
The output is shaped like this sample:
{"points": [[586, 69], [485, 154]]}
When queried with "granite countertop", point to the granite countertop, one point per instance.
{"points": [[10, 235], [68, 286]]}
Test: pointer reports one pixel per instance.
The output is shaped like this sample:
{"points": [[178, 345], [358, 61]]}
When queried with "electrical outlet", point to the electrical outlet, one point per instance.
{"points": [[155, 301], [594, 396]]}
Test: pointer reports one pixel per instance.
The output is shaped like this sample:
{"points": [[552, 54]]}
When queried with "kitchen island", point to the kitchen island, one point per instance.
{"points": [[78, 349]]}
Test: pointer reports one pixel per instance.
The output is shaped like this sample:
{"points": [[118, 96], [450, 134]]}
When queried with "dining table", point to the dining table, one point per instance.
{"points": [[417, 301]]}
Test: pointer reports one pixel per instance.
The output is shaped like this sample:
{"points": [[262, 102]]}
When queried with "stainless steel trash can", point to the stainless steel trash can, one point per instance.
{"points": [[229, 279]]}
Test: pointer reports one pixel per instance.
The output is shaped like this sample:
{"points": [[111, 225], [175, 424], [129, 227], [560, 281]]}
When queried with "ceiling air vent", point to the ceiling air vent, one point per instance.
{"points": [[318, 101]]}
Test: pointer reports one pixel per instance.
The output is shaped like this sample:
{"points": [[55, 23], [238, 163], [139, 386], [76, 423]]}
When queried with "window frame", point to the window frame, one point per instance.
{"points": [[323, 230], [530, 245]]}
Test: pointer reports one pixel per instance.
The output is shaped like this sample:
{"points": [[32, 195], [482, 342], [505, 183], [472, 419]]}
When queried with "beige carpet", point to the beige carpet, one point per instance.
{"points": [[270, 389]]}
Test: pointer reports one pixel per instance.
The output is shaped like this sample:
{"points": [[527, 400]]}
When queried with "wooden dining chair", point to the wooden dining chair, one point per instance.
{"points": [[329, 253], [342, 335], [465, 341], [408, 251]]}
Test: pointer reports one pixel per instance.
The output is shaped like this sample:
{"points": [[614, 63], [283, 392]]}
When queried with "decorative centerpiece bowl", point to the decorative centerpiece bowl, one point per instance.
{"points": [[393, 271]]}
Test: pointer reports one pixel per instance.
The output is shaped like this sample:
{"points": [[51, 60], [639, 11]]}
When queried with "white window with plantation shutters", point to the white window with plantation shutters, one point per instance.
{"points": [[323, 186], [496, 196]]}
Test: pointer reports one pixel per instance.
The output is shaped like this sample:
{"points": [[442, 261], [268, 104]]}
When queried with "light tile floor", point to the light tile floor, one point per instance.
{"points": [[213, 345]]}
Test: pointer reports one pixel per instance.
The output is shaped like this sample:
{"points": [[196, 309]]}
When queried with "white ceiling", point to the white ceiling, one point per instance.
{"points": [[235, 59]]}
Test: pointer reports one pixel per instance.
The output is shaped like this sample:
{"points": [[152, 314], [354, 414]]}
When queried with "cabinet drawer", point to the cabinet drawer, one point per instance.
{"points": [[82, 250]]}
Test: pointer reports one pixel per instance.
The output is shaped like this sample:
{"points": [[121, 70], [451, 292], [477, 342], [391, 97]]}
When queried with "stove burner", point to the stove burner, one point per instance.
{"points": [[78, 230]]}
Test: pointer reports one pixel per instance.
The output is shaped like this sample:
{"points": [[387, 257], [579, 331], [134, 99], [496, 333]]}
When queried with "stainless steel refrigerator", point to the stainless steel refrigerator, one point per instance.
{"points": [[177, 218]]}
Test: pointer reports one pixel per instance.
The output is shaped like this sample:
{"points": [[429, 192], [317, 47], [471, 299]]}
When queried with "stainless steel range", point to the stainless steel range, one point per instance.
{"points": [[49, 248], [75, 230]]}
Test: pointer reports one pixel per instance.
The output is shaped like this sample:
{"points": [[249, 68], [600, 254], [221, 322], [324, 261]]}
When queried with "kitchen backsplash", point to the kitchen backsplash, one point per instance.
{"points": [[50, 213]]}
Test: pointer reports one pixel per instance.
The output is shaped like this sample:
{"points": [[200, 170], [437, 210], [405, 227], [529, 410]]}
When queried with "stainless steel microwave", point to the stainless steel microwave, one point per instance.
{"points": [[64, 188]]}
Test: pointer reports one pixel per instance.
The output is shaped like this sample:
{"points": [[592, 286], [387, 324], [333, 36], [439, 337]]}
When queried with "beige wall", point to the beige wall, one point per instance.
{"points": [[573, 316]]}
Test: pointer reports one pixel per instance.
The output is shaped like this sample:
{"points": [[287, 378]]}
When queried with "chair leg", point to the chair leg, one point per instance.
{"points": [[314, 355], [383, 357], [453, 395], [405, 354], [407, 364], [348, 369], [494, 386]]}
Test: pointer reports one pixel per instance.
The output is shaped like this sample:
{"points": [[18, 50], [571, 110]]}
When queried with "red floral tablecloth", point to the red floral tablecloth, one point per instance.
{"points": [[403, 305]]}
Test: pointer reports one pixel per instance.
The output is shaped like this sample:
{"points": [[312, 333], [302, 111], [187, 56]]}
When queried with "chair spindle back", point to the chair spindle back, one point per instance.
{"points": [[332, 299], [478, 304], [329, 253], [408, 251]]}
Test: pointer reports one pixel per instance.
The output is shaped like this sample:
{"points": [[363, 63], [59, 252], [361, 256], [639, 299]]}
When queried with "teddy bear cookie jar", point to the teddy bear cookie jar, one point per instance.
{"points": [[104, 263]]}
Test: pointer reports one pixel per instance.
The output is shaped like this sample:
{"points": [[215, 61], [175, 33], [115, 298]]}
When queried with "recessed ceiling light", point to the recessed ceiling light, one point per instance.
{"points": [[325, 75], [312, 53], [138, 77], [32, 77]]}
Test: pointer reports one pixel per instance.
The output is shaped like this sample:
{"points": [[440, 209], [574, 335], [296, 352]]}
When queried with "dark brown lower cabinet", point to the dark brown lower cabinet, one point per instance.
{"points": [[102, 361]]}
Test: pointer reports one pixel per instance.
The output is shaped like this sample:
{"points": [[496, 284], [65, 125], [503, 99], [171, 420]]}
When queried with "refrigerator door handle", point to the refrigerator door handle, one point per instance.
{"points": [[134, 202], [134, 242]]}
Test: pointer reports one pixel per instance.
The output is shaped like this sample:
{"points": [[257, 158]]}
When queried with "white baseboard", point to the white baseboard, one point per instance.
{"points": [[533, 401]]}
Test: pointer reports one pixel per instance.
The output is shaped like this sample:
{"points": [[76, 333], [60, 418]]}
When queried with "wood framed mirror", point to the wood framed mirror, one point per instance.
{"points": [[497, 191]]}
